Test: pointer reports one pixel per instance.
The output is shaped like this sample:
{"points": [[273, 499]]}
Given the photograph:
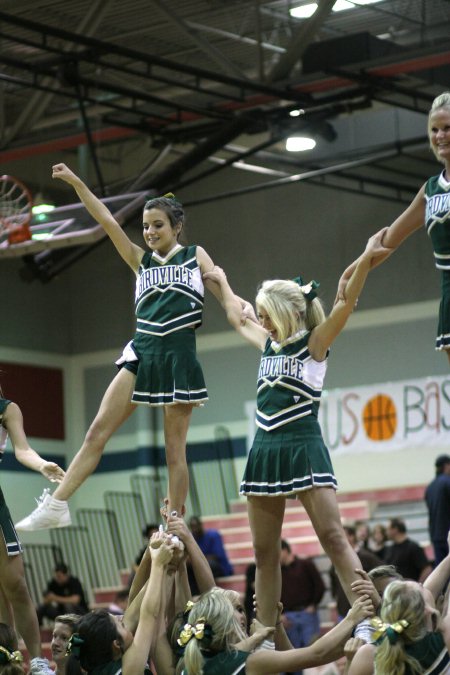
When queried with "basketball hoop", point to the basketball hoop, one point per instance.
{"points": [[15, 209]]}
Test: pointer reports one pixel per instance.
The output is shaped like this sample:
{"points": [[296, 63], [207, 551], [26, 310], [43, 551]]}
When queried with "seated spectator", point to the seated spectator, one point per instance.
{"points": [[368, 561], [64, 594], [408, 557], [120, 603], [302, 589], [211, 544], [65, 626], [378, 542]]}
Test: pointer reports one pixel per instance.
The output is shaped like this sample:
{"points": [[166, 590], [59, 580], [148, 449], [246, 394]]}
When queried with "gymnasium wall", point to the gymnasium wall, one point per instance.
{"points": [[83, 318]]}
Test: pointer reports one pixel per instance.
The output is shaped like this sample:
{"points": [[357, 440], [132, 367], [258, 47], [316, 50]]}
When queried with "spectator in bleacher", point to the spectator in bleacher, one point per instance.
{"points": [[362, 531], [302, 589], [64, 593], [437, 497], [407, 555], [65, 626], [18, 606], [368, 561], [378, 542], [120, 602], [211, 544]]}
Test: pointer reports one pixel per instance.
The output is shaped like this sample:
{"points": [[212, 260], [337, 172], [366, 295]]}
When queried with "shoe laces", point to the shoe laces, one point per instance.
{"points": [[40, 500]]}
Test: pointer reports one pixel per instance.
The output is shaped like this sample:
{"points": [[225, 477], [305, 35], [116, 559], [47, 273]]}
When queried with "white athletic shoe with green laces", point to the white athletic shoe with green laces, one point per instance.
{"points": [[47, 515]]}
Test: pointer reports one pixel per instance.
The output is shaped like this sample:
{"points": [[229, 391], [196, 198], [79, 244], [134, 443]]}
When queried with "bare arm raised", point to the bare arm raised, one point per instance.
{"points": [[408, 222], [323, 335], [131, 253], [250, 330]]}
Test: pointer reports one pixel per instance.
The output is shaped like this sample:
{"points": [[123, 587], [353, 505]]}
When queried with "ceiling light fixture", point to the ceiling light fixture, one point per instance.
{"points": [[307, 10], [300, 143]]}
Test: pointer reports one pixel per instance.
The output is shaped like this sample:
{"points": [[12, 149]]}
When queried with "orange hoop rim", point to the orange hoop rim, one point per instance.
{"points": [[5, 221]]}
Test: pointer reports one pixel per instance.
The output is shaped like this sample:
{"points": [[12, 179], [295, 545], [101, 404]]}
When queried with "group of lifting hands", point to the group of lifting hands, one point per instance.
{"points": [[288, 456]]}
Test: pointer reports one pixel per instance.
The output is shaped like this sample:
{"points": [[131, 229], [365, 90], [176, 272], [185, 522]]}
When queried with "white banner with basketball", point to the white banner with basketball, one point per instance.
{"points": [[383, 417]]}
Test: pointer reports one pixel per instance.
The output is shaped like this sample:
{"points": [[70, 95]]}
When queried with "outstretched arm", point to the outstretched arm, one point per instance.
{"points": [[136, 656], [408, 222], [323, 335], [200, 566], [207, 265], [326, 649], [251, 331], [13, 421], [131, 253]]}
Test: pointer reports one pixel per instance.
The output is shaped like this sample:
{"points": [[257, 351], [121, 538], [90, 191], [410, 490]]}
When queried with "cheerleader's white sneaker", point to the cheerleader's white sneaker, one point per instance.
{"points": [[49, 513]]}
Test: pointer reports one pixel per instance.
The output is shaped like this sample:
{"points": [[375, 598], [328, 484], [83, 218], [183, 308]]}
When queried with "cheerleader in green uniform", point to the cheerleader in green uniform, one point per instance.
{"points": [[431, 206], [213, 642], [159, 366], [288, 456], [16, 600]]}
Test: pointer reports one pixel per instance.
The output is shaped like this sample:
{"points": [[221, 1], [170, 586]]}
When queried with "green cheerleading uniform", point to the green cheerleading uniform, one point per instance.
{"points": [[169, 307], [113, 668], [288, 454], [437, 223], [432, 654], [8, 531], [223, 663]]}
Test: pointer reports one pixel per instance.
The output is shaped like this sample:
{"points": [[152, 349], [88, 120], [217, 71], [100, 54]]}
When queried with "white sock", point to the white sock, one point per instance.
{"points": [[268, 644], [58, 503]]}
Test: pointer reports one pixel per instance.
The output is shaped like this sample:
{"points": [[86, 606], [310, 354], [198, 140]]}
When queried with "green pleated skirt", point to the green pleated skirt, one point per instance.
{"points": [[443, 334], [288, 460], [166, 368], [9, 534]]}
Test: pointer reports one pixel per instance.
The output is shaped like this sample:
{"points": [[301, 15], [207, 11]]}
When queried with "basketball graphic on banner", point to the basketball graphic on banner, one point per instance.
{"points": [[380, 418]]}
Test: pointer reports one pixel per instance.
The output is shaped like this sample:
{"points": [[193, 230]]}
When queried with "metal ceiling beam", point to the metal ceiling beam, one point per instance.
{"points": [[300, 41], [38, 104], [222, 61], [309, 176], [97, 48]]}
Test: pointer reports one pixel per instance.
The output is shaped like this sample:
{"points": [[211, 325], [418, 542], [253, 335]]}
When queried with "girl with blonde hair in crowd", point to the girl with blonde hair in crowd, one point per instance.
{"points": [[214, 642]]}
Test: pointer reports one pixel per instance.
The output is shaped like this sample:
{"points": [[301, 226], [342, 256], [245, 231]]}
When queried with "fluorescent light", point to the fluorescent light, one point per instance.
{"points": [[299, 143], [341, 5], [42, 208], [297, 113], [304, 11]]}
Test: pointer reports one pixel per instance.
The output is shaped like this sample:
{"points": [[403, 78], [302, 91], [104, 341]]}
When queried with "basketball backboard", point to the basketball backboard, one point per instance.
{"points": [[69, 225]]}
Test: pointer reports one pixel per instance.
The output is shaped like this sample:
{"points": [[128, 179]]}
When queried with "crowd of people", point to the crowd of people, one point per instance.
{"points": [[393, 621]]}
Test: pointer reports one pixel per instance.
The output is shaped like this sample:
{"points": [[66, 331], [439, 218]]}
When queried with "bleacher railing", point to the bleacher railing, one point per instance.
{"points": [[39, 562], [80, 555], [102, 528], [130, 514]]}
